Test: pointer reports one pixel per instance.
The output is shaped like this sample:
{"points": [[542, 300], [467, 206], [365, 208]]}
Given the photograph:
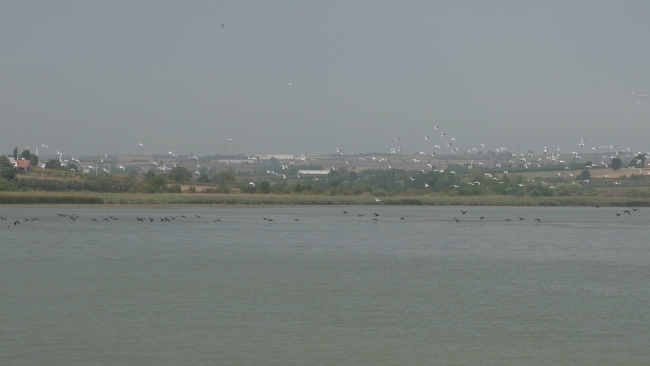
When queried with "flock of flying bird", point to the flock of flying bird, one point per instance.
{"points": [[170, 218], [549, 156]]}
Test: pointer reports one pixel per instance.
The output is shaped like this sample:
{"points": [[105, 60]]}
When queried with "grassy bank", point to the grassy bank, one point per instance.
{"points": [[278, 199]]}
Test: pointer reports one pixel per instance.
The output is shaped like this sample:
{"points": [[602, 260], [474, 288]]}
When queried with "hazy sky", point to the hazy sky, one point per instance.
{"points": [[101, 77]]}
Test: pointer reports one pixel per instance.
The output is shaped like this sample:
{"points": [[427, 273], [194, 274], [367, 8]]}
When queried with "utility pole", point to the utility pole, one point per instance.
{"points": [[517, 145]]}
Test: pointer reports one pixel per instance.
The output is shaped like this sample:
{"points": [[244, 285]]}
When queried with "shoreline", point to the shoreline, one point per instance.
{"points": [[139, 199]]}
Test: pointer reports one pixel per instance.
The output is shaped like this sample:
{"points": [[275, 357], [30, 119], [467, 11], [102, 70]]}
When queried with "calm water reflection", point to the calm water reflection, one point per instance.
{"points": [[330, 288]]}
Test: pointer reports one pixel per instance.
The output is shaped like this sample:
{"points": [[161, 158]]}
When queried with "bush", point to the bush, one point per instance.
{"points": [[8, 173], [223, 189], [265, 187], [6, 185]]}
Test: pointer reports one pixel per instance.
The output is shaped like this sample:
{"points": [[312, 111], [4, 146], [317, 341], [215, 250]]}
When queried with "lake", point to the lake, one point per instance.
{"points": [[260, 288]]}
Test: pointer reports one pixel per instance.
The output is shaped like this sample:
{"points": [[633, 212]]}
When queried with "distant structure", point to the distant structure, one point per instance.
{"points": [[313, 172], [234, 161], [287, 156], [25, 165]]}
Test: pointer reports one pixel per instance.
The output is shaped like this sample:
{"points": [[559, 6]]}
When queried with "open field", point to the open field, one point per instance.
{"points": [[279, 199]]}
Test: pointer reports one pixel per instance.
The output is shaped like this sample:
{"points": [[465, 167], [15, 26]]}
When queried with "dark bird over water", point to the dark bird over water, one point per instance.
{"points": [[627, 212], [456, 219], [463, 212]]}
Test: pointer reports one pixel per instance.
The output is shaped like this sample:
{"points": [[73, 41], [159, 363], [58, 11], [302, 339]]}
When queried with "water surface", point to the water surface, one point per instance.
{"points": [[330, 288]]}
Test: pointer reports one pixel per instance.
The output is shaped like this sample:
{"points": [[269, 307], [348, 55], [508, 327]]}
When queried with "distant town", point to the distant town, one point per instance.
{"points": [[495, 172]]}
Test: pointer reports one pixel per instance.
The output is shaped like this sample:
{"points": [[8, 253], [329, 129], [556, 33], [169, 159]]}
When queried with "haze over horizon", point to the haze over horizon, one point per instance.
{"points": [[296, 77]]}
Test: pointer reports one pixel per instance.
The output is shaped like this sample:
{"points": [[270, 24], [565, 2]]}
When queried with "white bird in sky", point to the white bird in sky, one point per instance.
{"points": [[141, 144], [436, 127], [230, 140]]}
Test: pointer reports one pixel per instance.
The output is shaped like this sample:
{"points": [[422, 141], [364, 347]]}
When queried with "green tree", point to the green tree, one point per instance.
{"points": [[26, 155], [159, 181], [15, 153], [265, 187], [638, 161], [4, 162], [204, 177], [53, 165], [616, 163], [8, 173], [585, 174], [153, 183], [149, 175], [6, 185], [180, 174], [225, 177]]}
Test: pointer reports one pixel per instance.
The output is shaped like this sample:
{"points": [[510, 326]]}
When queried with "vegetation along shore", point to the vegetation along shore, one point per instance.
{"points": [[456, 183], [284, 199]]}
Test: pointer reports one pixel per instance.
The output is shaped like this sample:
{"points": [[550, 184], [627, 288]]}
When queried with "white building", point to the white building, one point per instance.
{"points": [[313, 172]]}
